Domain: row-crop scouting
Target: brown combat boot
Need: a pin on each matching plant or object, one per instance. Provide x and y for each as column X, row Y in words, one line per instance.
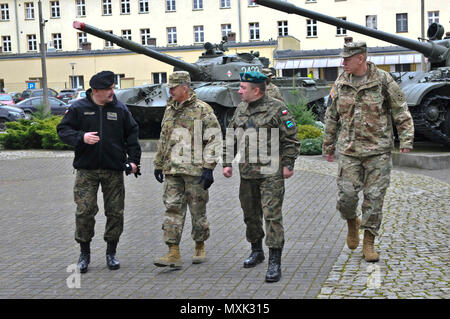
column 199, row 255
column 172, row 259
column 369, row 253
column 353, row 233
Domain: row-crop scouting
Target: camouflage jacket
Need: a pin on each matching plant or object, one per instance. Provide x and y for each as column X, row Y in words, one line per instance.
column 191, row 138
column 273, row 91
column 364, row 112
column 272, row 141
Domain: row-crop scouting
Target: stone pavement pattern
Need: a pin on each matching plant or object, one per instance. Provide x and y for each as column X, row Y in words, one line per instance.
column 37, row 218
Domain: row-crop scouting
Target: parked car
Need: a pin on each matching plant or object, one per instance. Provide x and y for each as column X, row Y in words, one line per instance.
column 67, row 94
column 78, row 95
column 6, row 99
column 38, row 92
column 17, row 96
column 9, row 113
column 57, row 107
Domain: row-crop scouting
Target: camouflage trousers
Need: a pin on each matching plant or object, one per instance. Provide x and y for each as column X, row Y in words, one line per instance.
column 179, row 192
column 263, row 197
column 85, row 195
column 372, row 176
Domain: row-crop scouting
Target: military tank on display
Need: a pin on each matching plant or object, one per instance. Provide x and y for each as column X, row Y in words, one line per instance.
column 428, row 93
column 215, row 79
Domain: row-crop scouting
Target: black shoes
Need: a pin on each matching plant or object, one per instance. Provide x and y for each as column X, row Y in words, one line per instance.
column 274, row 268
column 85, row 257
column 256, row 256
column 111, row 260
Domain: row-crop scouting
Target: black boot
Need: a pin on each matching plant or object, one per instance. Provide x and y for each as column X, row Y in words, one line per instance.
column 274, row 269
column 85, row 257
column 111, row 260
column 256, row 256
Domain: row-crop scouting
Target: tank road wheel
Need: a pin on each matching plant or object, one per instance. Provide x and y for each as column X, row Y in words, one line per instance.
column 436, row 116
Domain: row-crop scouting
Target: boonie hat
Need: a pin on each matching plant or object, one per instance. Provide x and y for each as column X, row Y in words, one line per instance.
column 177, row 78
column 253, row 77
column 352, row 48
column 267, row 72
column 102, row 80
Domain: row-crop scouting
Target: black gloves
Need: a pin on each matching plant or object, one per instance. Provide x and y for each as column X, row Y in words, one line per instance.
column 128, row 169
column 159, row 175
column 207, row 177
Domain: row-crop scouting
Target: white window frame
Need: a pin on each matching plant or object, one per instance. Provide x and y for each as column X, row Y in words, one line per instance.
column 32, row 42
column 6, row 43
column 161, row 77
column 126, row 34
column 29, row 11
column 171, row 6
column 433, row 17
column 145, row 36
column 57, row 41
column 125, row 7
column 108, row 44
column 254, row 34
column 172, row 35
column 225, row 4
column 401, row 18
column 106, row 7
column 339, row 30
column 311, row 28
column 372, row 21
column 81, row 8
column 4, row 8
column 81, row 38
column 197, row 4
column 144, row 6
column 55, row 10
column 252, row 4
column 225, row 28
column 283, row 29
column 199, row 34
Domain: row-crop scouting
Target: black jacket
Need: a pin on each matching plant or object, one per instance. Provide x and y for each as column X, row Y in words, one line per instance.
column 117, row 129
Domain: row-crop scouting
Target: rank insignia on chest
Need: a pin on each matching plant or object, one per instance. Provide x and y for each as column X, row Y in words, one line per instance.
column 284, row 112
column 89, row 113
column 111, row 116
column 289, row 124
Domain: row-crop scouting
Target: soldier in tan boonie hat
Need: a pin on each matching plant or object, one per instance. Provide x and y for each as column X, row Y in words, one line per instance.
column 352, row 48
column 177, row 78
column 267, row 72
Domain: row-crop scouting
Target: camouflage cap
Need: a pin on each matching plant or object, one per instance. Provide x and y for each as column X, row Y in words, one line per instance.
column 253, row 76
column 177, row 78
column 352, row 48
column 267, row 72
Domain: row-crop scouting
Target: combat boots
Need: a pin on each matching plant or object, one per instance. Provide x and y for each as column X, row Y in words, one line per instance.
column 85, row 257
column 256, row 256
column 274, row 268
column 368, row 251
column 172, row 259
column 111, row 260
column 353, row 233
column 199, row 255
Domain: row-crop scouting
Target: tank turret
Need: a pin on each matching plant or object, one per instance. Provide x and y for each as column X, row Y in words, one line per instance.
column 428, row 93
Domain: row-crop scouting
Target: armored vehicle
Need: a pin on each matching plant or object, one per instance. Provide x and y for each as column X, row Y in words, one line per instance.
column 428, row 93
column 215, row 78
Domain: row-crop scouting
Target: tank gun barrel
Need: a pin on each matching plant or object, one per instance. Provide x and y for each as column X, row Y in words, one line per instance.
column 136, row 47
column 431, row 50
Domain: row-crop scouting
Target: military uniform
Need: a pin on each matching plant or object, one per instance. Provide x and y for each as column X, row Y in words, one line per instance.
column 362, row 113
column 271, row 89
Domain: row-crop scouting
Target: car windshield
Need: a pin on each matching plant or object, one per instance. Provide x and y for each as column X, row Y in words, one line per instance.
column 5, row 98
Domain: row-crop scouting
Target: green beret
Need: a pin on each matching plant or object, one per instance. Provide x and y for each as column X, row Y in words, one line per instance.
column 253, row 77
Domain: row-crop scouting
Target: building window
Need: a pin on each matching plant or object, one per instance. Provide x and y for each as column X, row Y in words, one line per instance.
column 125, row 7
column 76, row 82
column 32, row 42
column 197, row 4
column 126, row 34
column 4, row 8
column 29, row 10
column 107, row 7
column 145, row 36
column 371, row 21
column 254, row 30
column 170, row 5
column 433, row 17
column 311, row 28
column 226, row 28
column 282, row 28
column 82, row 37
column 225, row 4
column 199, row 34
column 108, row 44
column 143, row 6
column 251, row 3
column 6, row 43
column 54, row 9
column 159, row 78
column 81, row 8
column 402, row 22
column 403, row 67
column 171, row 35
column 57, row 41
column 309, row 1
column 339, row 30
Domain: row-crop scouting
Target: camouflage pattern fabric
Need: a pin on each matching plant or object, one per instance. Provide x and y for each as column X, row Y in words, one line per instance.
column 269, row 114
column 370, row 174
column 363, row 113
column 85, row 195
column 273, row 91
column 180, row 191
column 260, row 198
column 187, row 130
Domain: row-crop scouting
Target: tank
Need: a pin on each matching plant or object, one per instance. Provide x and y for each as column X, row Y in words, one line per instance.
column 428, row 93
column 215, row 79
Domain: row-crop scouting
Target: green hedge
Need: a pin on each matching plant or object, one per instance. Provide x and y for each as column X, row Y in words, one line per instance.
column 34, row 133
column 311, row 146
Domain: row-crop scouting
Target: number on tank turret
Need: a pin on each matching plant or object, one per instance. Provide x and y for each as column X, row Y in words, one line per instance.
column 252, row 68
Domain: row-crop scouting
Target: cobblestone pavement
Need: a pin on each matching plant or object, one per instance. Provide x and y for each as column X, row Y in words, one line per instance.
column 37, row 218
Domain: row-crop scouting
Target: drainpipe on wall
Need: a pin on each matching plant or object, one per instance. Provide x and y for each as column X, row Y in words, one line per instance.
column 239, row 20
column 17, row 26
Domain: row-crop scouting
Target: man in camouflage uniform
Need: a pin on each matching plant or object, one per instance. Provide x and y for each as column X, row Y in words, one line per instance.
column 263, row 126
column 103, row 132
column 271, row 89
column 365, row 100
column 188, row 151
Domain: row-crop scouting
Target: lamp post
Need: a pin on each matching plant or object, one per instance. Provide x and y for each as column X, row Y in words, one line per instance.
column 73, row 74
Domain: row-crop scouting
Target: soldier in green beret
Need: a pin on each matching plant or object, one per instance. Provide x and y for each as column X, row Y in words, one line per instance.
column 261, row 190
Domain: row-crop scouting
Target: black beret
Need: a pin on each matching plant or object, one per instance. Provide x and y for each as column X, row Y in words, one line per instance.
column 102, row 80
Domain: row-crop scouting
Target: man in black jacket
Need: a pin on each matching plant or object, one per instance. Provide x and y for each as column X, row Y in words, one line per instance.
column 103, row 132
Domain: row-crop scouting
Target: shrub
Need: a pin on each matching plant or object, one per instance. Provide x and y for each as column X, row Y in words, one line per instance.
column 308, row 131
column 311, row 146
column 302, row 115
